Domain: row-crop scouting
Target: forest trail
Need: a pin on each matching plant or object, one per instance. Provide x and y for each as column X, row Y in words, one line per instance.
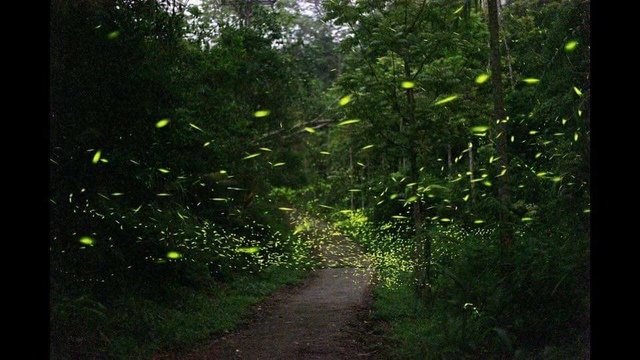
column 321, row 319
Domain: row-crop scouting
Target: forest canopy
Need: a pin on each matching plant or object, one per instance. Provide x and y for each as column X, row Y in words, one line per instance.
column 196, row 146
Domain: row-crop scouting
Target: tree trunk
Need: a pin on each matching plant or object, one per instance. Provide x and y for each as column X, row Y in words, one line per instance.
column 422, row 244
column 499, row 117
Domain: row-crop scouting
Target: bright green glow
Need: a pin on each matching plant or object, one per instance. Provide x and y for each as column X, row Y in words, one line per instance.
column 265, row 149
column 162, row 123
column 487, row 183
column 541, row 174
column 117, row 194
column 445, row 100
column 96, row 157
column 570, row 46
column 478, row 221
column 407, row 84
column 355, row 190
column 251, row 156
column 347, row 122
column 458, row 10
column 531, row 80
column 195, row 127
column 325, row 153
column 163, row 194
column 112, row 35
column 345, row 100
column 479, row 128
column 399, row 217
column 278, row 164
column 578, row 92
column 556, row 179
column 164, row 171
column 310, row 130
column 527, row 219
column 104, row 160
column 219, row 199
column 533, row 132
column 482, row 78
column 248, row 250
column 286, row 209
column 445, row 220
column 412, row 199
column 261, row 113
column 174, row 255
column 466, row 197
column 367, row 147
column 575, row 136
column 85, row 240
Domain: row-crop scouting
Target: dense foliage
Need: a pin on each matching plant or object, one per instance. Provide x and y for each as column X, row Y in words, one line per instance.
column 191, row 147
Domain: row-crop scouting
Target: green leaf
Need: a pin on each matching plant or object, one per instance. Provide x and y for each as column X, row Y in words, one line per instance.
column 310, row 130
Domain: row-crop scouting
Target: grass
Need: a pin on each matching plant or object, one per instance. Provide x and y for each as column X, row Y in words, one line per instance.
column 406, row 330
column 136, row 327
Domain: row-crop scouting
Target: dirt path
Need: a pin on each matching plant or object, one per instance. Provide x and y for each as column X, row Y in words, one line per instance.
column 319, row 320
